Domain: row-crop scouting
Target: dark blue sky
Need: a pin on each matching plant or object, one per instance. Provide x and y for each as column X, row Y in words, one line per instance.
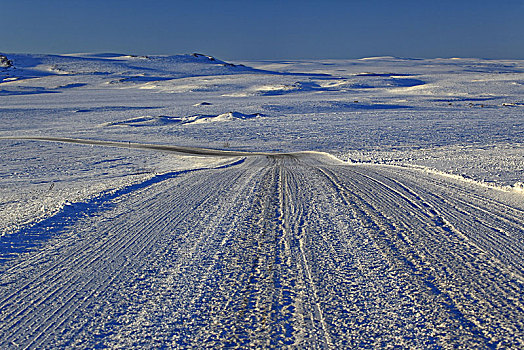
column 267, row 29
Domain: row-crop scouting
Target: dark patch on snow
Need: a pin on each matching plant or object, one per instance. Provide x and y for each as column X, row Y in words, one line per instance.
column 113, row 108
column 371, row 74
column 28, row 91
column 71, row 86
column 5, row 62
column 466, row 99
column 331, row 107
column 197, row 55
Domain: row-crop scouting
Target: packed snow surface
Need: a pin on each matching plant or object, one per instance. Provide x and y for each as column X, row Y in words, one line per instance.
column 187, row 202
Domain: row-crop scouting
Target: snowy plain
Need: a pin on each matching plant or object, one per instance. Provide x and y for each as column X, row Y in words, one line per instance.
column 413, row 237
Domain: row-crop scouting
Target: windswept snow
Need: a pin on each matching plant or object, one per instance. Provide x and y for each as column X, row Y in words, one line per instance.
column 187, row 202
column 193, row 119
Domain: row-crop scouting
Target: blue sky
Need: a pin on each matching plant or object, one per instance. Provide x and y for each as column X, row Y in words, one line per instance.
column 232, row 29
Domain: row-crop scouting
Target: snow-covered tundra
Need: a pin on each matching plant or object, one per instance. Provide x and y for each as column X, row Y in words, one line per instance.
column 187, row 202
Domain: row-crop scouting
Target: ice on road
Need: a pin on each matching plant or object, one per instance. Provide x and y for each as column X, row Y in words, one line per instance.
column 295, row 250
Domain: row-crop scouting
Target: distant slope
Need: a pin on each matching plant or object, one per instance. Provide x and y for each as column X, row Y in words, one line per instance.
column 140, row 68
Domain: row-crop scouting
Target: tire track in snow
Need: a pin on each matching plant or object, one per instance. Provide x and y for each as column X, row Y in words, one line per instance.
column 383, row 237
column 31, row 235
column 460, row 263
column 92, row 252
column 278, row 251
column 494, row 229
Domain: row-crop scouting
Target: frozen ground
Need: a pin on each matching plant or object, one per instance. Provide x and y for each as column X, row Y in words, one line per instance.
column 415, row 241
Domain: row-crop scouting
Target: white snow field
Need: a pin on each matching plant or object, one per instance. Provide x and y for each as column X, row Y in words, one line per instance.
column 186, row 202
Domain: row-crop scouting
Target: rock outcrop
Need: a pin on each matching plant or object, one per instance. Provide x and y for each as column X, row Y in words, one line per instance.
column 5, row 62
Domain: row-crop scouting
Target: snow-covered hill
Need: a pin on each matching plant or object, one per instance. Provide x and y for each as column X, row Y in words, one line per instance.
column 115, row 68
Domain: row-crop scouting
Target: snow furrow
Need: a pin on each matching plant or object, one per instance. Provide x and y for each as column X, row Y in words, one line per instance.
column 453, row 264
column 290, row 250
column 103, row 256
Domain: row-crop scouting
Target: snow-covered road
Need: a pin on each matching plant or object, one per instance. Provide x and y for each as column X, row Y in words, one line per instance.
column 291, row 250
